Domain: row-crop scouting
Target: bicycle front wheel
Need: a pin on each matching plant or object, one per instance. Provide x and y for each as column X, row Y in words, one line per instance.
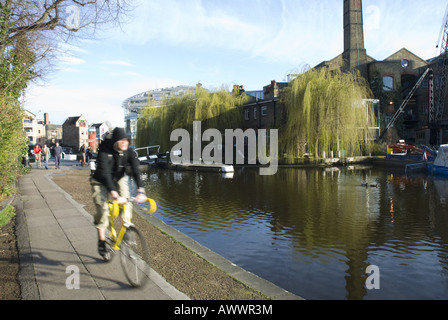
column 135, row 257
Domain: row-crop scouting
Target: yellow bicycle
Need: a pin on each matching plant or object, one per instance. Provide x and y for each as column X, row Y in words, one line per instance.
column 129, row 242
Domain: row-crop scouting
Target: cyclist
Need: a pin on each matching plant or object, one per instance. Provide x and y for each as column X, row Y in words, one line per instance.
column 110, row 180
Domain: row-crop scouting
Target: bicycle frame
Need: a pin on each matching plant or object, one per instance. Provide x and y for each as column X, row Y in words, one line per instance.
column 114, row 211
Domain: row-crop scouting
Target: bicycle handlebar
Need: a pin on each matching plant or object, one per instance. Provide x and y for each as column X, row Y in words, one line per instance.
column 113, row 205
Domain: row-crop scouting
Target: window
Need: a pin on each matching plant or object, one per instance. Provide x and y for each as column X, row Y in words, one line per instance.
column 388, row 83
column 246, row 114
column 255, row 113
column 404, row 63
column 388, row 118
column 264, row 110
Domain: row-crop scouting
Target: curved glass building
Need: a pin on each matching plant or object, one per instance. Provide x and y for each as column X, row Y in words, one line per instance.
column 134, row 105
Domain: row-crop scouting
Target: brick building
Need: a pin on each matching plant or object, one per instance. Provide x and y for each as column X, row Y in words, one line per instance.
column 96, row 131
column 75, row 132
column 41, row 131
column 264, row 113
column 391, row 80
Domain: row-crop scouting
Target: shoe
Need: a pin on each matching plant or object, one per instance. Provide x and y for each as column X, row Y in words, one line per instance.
column 102, row 250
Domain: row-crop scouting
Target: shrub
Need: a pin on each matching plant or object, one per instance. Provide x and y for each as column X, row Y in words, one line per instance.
column 6, row 215
column 13, row 143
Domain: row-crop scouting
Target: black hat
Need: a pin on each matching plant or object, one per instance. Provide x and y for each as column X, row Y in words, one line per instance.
column 119, row 134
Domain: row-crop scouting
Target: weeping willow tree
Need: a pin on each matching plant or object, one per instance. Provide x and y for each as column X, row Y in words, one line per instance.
column 324, row 113
column 219, row 110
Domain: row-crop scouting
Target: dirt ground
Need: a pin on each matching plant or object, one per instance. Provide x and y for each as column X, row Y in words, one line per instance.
column 9, row 263
column 181, row 267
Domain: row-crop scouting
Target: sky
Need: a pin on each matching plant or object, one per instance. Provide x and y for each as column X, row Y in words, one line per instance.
column 220, row 43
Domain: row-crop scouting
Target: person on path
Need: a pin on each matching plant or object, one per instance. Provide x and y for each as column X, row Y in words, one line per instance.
column 57, row 155
column 88, row 154
column 111, row 182
column 47, row 155
column 82, row 152
column 37, row 152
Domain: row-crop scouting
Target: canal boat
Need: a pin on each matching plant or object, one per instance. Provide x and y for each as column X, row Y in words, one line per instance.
column 146, row 156
column 411, row 158
column 422, row 166
column 440, row 165
column 403, row 151
column 214, row 167
column 151, row 156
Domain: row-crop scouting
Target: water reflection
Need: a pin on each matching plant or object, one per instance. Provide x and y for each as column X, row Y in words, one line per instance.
column 315, row 231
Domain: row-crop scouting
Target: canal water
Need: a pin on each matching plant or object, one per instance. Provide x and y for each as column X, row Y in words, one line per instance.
column 314, row 232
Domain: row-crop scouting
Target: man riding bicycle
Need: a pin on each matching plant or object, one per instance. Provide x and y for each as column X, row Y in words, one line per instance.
column 110, row 180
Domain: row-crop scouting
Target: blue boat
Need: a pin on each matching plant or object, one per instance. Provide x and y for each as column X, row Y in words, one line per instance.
column 440, row 165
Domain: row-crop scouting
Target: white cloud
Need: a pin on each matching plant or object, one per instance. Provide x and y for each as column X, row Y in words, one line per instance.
column 71, row 60
column 70, row 70
column 117, row 63
column 98, row 104
column 125, row 73
column 67, row 48
column 304, row 30
column 191, row 23
column 393, row 25
column 275, row 31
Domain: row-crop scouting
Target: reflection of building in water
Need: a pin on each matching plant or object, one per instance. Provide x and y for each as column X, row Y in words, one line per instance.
column 441, row 186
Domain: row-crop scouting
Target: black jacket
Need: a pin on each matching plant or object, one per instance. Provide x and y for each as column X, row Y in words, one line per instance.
column 111, row 164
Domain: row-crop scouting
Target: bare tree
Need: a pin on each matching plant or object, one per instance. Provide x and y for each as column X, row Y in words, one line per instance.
column 25, row 16
column 30, row 31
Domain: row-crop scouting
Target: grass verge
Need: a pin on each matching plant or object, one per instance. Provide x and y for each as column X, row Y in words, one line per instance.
column 6, row 214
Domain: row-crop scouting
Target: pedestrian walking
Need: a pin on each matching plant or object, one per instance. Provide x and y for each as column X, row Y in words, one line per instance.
column 47, row 155
column 57, row 155
column 83, row 155
column 88, row 154
column 37, row 153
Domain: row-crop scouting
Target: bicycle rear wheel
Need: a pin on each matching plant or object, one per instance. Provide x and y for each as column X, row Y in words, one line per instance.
column 134, row 257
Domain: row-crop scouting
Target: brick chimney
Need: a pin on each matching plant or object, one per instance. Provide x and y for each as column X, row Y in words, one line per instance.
column 354, row 54
column 46, row 121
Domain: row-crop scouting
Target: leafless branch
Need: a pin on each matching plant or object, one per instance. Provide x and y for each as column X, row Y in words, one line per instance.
column 46, row 23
